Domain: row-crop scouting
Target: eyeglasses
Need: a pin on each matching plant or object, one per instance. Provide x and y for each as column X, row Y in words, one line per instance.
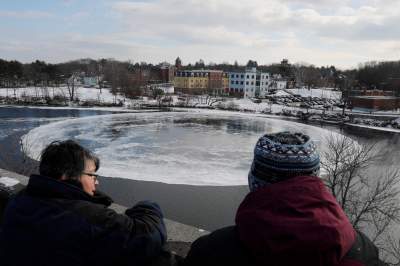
column 95, row 176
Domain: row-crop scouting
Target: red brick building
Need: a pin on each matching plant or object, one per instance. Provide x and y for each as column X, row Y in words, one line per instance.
column 167, row 73
column 215, row 79
column 374, row 103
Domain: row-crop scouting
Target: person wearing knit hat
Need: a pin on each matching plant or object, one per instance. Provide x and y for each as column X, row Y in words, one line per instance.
column 283, row 155
column 288, row 218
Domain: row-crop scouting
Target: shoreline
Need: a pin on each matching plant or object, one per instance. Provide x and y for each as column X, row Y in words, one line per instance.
column 210, row 109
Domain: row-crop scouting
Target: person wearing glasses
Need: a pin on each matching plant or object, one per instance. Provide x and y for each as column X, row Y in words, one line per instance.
column 61, row 219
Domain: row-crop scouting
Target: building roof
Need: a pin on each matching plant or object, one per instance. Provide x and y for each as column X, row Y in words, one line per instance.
column 201, row 71
column 376, row 97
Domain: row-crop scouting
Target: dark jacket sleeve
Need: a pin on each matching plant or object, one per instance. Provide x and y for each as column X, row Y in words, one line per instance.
column 148, row 219
column 134, row 237
column 221, row 247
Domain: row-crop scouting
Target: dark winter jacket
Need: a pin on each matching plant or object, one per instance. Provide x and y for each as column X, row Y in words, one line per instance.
column 293, row 222
column 56, row 223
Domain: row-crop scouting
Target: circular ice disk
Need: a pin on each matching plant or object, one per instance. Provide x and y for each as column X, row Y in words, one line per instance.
column 194, row 148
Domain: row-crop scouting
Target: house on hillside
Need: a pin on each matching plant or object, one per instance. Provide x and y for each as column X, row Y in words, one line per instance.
column 91, row 81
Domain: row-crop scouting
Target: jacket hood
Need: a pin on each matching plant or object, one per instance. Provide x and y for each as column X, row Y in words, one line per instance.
column 294, row 222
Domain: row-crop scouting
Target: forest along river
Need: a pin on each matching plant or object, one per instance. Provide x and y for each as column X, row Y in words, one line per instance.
column 194, row 164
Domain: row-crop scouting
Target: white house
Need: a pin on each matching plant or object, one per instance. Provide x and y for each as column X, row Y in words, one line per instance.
column 265, row 84
column 281, row 84
column 250, row 82
column 90, row 82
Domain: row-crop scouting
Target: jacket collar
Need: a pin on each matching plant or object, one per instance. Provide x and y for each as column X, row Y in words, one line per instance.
column 46, row 187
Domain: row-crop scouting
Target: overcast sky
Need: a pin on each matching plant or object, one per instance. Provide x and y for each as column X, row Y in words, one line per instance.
column 321, row 32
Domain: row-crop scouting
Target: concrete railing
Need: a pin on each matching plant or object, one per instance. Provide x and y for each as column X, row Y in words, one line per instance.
column 180, row 236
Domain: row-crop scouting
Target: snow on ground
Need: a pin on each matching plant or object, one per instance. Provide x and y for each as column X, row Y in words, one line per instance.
column 84, row 94
column 281, row 93
column 243, row 104
column 328, row 93
column 393, row 112
column 248, row 105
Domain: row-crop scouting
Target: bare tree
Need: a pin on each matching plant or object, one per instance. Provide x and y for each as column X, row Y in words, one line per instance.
column 211, row 100
column 158, row 94
column 371, row 201
column 71, row 87
column 299, row 73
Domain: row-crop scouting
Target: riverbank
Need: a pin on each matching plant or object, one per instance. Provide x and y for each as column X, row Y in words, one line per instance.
column 302, row 104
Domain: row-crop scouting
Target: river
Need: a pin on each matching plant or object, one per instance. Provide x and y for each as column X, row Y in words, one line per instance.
column 194, row 164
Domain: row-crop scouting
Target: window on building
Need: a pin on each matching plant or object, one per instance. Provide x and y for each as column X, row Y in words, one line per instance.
column 237, row 82
column 252, row 76
column 241, row 89
column 241, row 83
column 247, row 76
column 242, row 76
column 232, row 82
column 237, row 75
column 252, row 83
column 247, row 83
column 232, row 76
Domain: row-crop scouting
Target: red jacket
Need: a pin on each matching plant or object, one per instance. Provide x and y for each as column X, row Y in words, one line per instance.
column 295, row 222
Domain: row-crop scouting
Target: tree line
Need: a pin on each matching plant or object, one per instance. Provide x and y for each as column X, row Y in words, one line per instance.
column 129, row 78
column 126, row 78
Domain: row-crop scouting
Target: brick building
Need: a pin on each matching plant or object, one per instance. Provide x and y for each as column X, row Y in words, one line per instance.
column 374, row 103
column 167, row 72
column 200, row 81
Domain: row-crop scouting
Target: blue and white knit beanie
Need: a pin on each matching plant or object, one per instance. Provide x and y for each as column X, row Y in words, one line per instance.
column 282, row 155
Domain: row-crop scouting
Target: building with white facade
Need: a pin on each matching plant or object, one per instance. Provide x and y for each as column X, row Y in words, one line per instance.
column 90, row 82
column 250, row 83
column 243, row 83
column 265, row 84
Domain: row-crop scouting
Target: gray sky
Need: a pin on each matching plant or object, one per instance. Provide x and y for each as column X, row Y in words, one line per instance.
column 325, row 32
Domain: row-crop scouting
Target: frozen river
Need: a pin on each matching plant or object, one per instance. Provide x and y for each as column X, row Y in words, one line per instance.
column 193, row 148
column 193, row 164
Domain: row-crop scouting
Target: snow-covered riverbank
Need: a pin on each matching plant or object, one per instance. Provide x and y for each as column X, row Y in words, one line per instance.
column 280, row 104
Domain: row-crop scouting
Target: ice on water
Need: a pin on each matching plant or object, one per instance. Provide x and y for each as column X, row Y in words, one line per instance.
column 195, row 148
